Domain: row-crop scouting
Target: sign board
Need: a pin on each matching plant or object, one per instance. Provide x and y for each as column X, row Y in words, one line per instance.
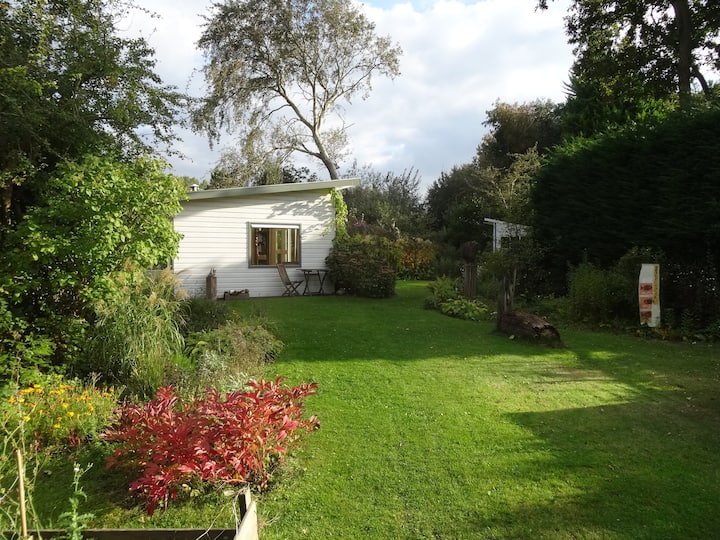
column 649, row 295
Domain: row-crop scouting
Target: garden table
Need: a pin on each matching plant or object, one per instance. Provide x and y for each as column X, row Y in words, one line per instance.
column 320, row 273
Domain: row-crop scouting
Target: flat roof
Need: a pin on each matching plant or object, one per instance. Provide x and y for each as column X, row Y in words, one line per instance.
column 324, row 185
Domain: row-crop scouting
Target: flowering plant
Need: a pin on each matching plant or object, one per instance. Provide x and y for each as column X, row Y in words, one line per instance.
column 58, row 411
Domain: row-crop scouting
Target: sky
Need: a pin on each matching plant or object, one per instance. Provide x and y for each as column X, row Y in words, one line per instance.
column 459, row 59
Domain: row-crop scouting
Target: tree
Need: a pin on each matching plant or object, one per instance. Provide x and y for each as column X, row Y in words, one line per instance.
column 80, row 105
column 497, row 182
column 72, row 85
column 390, row 201
column 278, row 69
column 515, row 129
column 649, row 48
column 98, row 215
column 234, row 169
column 649, row 185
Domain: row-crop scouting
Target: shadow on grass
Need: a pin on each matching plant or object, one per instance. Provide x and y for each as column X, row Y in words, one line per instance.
column 646, row 469
column 638, row 460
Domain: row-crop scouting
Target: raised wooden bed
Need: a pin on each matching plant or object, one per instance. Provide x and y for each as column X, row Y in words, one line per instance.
column 246, row 530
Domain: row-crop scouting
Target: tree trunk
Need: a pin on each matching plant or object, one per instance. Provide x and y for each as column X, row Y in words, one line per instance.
column 530, row 327
column 684, row 50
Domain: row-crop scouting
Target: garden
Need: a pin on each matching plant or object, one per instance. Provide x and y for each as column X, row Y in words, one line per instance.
column 429, row 427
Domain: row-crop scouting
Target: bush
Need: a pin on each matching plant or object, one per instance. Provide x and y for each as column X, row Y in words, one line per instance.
column 57, row 412
column 363, row 265
column 203, row 314
column 236, row 438
column 231, row 353
column 417, row 258
column 598, row 295
column 441, row 290
column 462, row 308
column 446, row 298
column 136, row 335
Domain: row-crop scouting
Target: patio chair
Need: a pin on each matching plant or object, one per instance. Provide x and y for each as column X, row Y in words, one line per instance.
column 291, row 285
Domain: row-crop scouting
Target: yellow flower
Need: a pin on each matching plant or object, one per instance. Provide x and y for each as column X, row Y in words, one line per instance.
column 70, row 414
column 27, row 418
column 65, row 405
column 56, row 426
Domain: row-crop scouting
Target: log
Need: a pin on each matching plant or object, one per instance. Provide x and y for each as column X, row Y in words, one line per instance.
column 530, row 327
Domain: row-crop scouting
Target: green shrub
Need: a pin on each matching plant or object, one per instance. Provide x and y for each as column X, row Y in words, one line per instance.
column 463, row 308
column 203, row 314
column 441, row 290
column 229, row 355
column 363, row 265
column 22, row 349
column 598, row 295
column 136, row 334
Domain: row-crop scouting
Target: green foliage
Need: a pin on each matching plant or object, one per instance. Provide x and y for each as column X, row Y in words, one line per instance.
column 498, row 182
column 204, row 314
column 22, row 348
column 598, row 296
column 56, row 412
column 364, row 265
column 73, row 84
column 690, row 298
column 652, row 185
column 446, row 298
column 226, row 357
column 136, row 335
column 442, row 290
column 74, row 521
column 303, row 56
column 387, row 202
column 645, row 48
column 341, row 214
column 97, row 214
column 464, row 308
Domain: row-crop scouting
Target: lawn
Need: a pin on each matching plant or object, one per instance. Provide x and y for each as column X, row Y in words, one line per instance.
column 437, row 428
column 433, row 427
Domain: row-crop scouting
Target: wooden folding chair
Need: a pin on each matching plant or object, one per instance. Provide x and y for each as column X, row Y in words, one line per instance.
column 291, row 285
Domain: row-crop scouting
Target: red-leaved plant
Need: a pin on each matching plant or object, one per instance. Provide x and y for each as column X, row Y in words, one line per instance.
column 234, row 438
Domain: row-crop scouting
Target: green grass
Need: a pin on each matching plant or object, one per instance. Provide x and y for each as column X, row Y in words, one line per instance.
column 434, row 427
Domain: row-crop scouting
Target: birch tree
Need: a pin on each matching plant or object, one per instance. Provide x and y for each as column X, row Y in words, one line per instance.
column 278, row 70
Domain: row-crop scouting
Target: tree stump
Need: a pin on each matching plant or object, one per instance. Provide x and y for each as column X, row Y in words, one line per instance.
column 530, row 327
column 521, row 324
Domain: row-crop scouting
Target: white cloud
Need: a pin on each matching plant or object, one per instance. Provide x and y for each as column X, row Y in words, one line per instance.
column 458, row 59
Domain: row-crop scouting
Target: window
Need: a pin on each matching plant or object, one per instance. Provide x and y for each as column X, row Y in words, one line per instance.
column 273, row 244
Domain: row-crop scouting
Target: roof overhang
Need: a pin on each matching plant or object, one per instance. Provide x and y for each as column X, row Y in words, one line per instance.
column 273, row 189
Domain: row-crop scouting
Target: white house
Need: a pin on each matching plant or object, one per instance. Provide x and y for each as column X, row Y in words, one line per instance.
column 242, row 233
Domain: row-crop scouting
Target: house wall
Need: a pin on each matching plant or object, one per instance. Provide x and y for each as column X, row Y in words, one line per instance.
column 216, row 235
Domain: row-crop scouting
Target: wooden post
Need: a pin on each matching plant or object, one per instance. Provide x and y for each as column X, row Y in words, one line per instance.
column 21, row 493
column 211, row 285
column 469, row 251
column 470, row 280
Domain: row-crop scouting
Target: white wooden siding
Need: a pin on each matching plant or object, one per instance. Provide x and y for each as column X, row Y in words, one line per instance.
column 215, row 235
